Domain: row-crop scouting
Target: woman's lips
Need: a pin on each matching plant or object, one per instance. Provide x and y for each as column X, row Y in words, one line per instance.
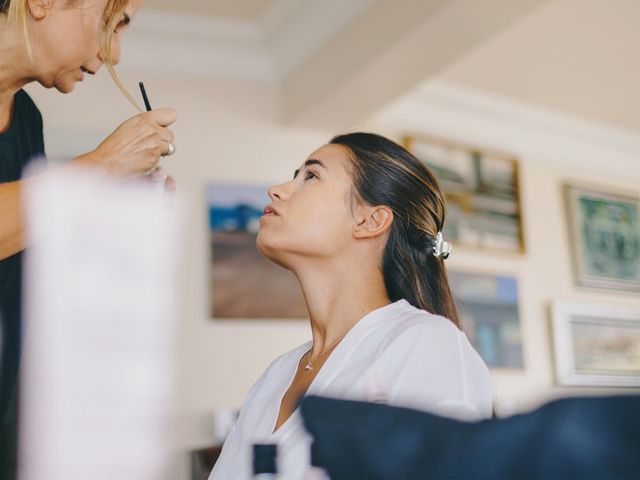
column 269, row 210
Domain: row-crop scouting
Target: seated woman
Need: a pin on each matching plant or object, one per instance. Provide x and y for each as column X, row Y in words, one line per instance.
column 360, row 227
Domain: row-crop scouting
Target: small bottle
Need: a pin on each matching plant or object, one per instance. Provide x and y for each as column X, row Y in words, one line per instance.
column 265, row 461
column 315, row 471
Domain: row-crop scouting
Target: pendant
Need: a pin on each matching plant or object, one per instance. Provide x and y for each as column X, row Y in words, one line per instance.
column 308, row 367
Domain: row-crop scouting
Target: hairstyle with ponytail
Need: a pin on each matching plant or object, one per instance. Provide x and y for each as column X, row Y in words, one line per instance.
column 384, row 173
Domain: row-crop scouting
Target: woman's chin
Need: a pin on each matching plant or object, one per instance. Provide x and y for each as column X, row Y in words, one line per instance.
column 66, row 87
column 62, row 84
column 268, row 251
column 261, row 245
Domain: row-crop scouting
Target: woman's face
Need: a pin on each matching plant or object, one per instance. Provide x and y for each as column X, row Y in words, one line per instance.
column 311, row 215
column 66, row 38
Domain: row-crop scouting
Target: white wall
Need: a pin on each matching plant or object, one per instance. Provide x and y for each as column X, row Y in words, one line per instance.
column 230, row 132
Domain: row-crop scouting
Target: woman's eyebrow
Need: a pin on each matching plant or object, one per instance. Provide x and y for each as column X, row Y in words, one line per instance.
column 308, row 163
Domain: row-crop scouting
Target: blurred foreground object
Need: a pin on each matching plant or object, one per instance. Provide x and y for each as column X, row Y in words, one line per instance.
column 574, row 438
column 101, row 302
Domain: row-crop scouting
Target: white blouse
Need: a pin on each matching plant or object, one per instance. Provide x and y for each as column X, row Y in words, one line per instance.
column 396, row 354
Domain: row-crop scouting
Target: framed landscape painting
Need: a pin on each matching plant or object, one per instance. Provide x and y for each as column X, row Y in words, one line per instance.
column 605, row 238
column 482, row 189
column 244, row 284
column 596, row 345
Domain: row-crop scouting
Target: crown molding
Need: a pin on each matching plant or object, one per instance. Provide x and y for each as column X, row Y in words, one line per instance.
column 494, row 121
column 187, row 45
column 264, row 51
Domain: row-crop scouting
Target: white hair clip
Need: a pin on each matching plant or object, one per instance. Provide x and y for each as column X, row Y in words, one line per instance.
column 441, row 248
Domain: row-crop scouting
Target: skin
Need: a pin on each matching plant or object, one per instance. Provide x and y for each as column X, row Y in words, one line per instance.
column 65, row 40
column 332, row 245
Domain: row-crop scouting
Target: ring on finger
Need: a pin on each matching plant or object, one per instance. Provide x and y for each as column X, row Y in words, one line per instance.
column 171, row 149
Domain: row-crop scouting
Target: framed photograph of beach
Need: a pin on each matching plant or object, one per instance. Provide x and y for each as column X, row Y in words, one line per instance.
column 596, row 345
column 482, row 189
column 605, row 238
column 244, row 284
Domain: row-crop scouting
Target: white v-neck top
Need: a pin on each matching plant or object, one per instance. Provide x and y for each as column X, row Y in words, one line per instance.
column 396, row 354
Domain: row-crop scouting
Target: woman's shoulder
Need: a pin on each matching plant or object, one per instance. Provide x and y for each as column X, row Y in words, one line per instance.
column 411, row 322
column 425, row 361
column 425, row 337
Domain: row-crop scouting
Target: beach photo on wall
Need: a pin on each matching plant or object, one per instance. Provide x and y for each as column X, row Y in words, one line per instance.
column 488, row 306
column 244, row 284
column 482, row 192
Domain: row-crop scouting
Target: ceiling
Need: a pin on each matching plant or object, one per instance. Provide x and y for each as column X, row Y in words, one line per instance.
column 242, row 10
column 579, row 57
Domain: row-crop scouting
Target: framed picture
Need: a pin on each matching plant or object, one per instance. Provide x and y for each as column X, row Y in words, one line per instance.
column 245, row 284
column 596, row 345
column 605, row 236
column 482, row 192
column 490, row 317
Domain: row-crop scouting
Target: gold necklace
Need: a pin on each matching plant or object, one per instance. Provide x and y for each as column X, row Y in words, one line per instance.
column 308, row 366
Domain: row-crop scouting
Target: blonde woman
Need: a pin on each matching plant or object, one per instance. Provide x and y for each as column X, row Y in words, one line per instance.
column 55, row 43
column 360, row 226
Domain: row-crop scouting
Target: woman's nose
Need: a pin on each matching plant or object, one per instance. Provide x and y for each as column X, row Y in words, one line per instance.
column 273, row 193
column 278, row 192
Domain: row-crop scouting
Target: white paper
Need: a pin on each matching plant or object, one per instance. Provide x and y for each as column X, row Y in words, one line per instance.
column 100, row 326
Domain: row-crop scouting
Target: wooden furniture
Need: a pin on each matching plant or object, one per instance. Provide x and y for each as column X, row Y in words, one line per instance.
column 203, row 460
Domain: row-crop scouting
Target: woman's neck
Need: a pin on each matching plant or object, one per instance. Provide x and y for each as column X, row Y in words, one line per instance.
column 14, row 65
column 338, row 294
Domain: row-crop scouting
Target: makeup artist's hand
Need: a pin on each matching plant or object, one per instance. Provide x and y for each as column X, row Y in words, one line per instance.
column 136, row 145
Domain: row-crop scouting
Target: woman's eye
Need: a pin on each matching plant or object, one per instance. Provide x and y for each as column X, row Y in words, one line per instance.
column 309, row 175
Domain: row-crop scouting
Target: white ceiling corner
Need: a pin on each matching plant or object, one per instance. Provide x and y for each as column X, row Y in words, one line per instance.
column 264, row 50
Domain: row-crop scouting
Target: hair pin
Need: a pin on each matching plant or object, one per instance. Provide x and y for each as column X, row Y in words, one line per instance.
column 441, row 248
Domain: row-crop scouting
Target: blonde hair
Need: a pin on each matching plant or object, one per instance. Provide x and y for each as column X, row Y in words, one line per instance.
column 112, row 15
column 16, row 12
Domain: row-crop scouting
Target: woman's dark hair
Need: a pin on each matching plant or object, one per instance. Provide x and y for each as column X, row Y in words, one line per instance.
column 384, row 173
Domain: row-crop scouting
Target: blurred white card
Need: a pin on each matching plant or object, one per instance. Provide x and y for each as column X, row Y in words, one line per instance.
column 100, row 326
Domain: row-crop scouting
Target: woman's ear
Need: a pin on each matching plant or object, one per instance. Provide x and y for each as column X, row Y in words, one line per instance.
column 375, row 222
column 38, row 9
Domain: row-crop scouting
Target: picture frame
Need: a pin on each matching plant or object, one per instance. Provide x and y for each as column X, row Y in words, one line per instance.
column 596, row 345
column 482, row 190
column 244, row 284
column 604, row 228
column 489, row 311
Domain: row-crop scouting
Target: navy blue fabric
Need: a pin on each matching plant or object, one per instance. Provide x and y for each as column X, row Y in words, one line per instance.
column 574, row 438
column 21, row 142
